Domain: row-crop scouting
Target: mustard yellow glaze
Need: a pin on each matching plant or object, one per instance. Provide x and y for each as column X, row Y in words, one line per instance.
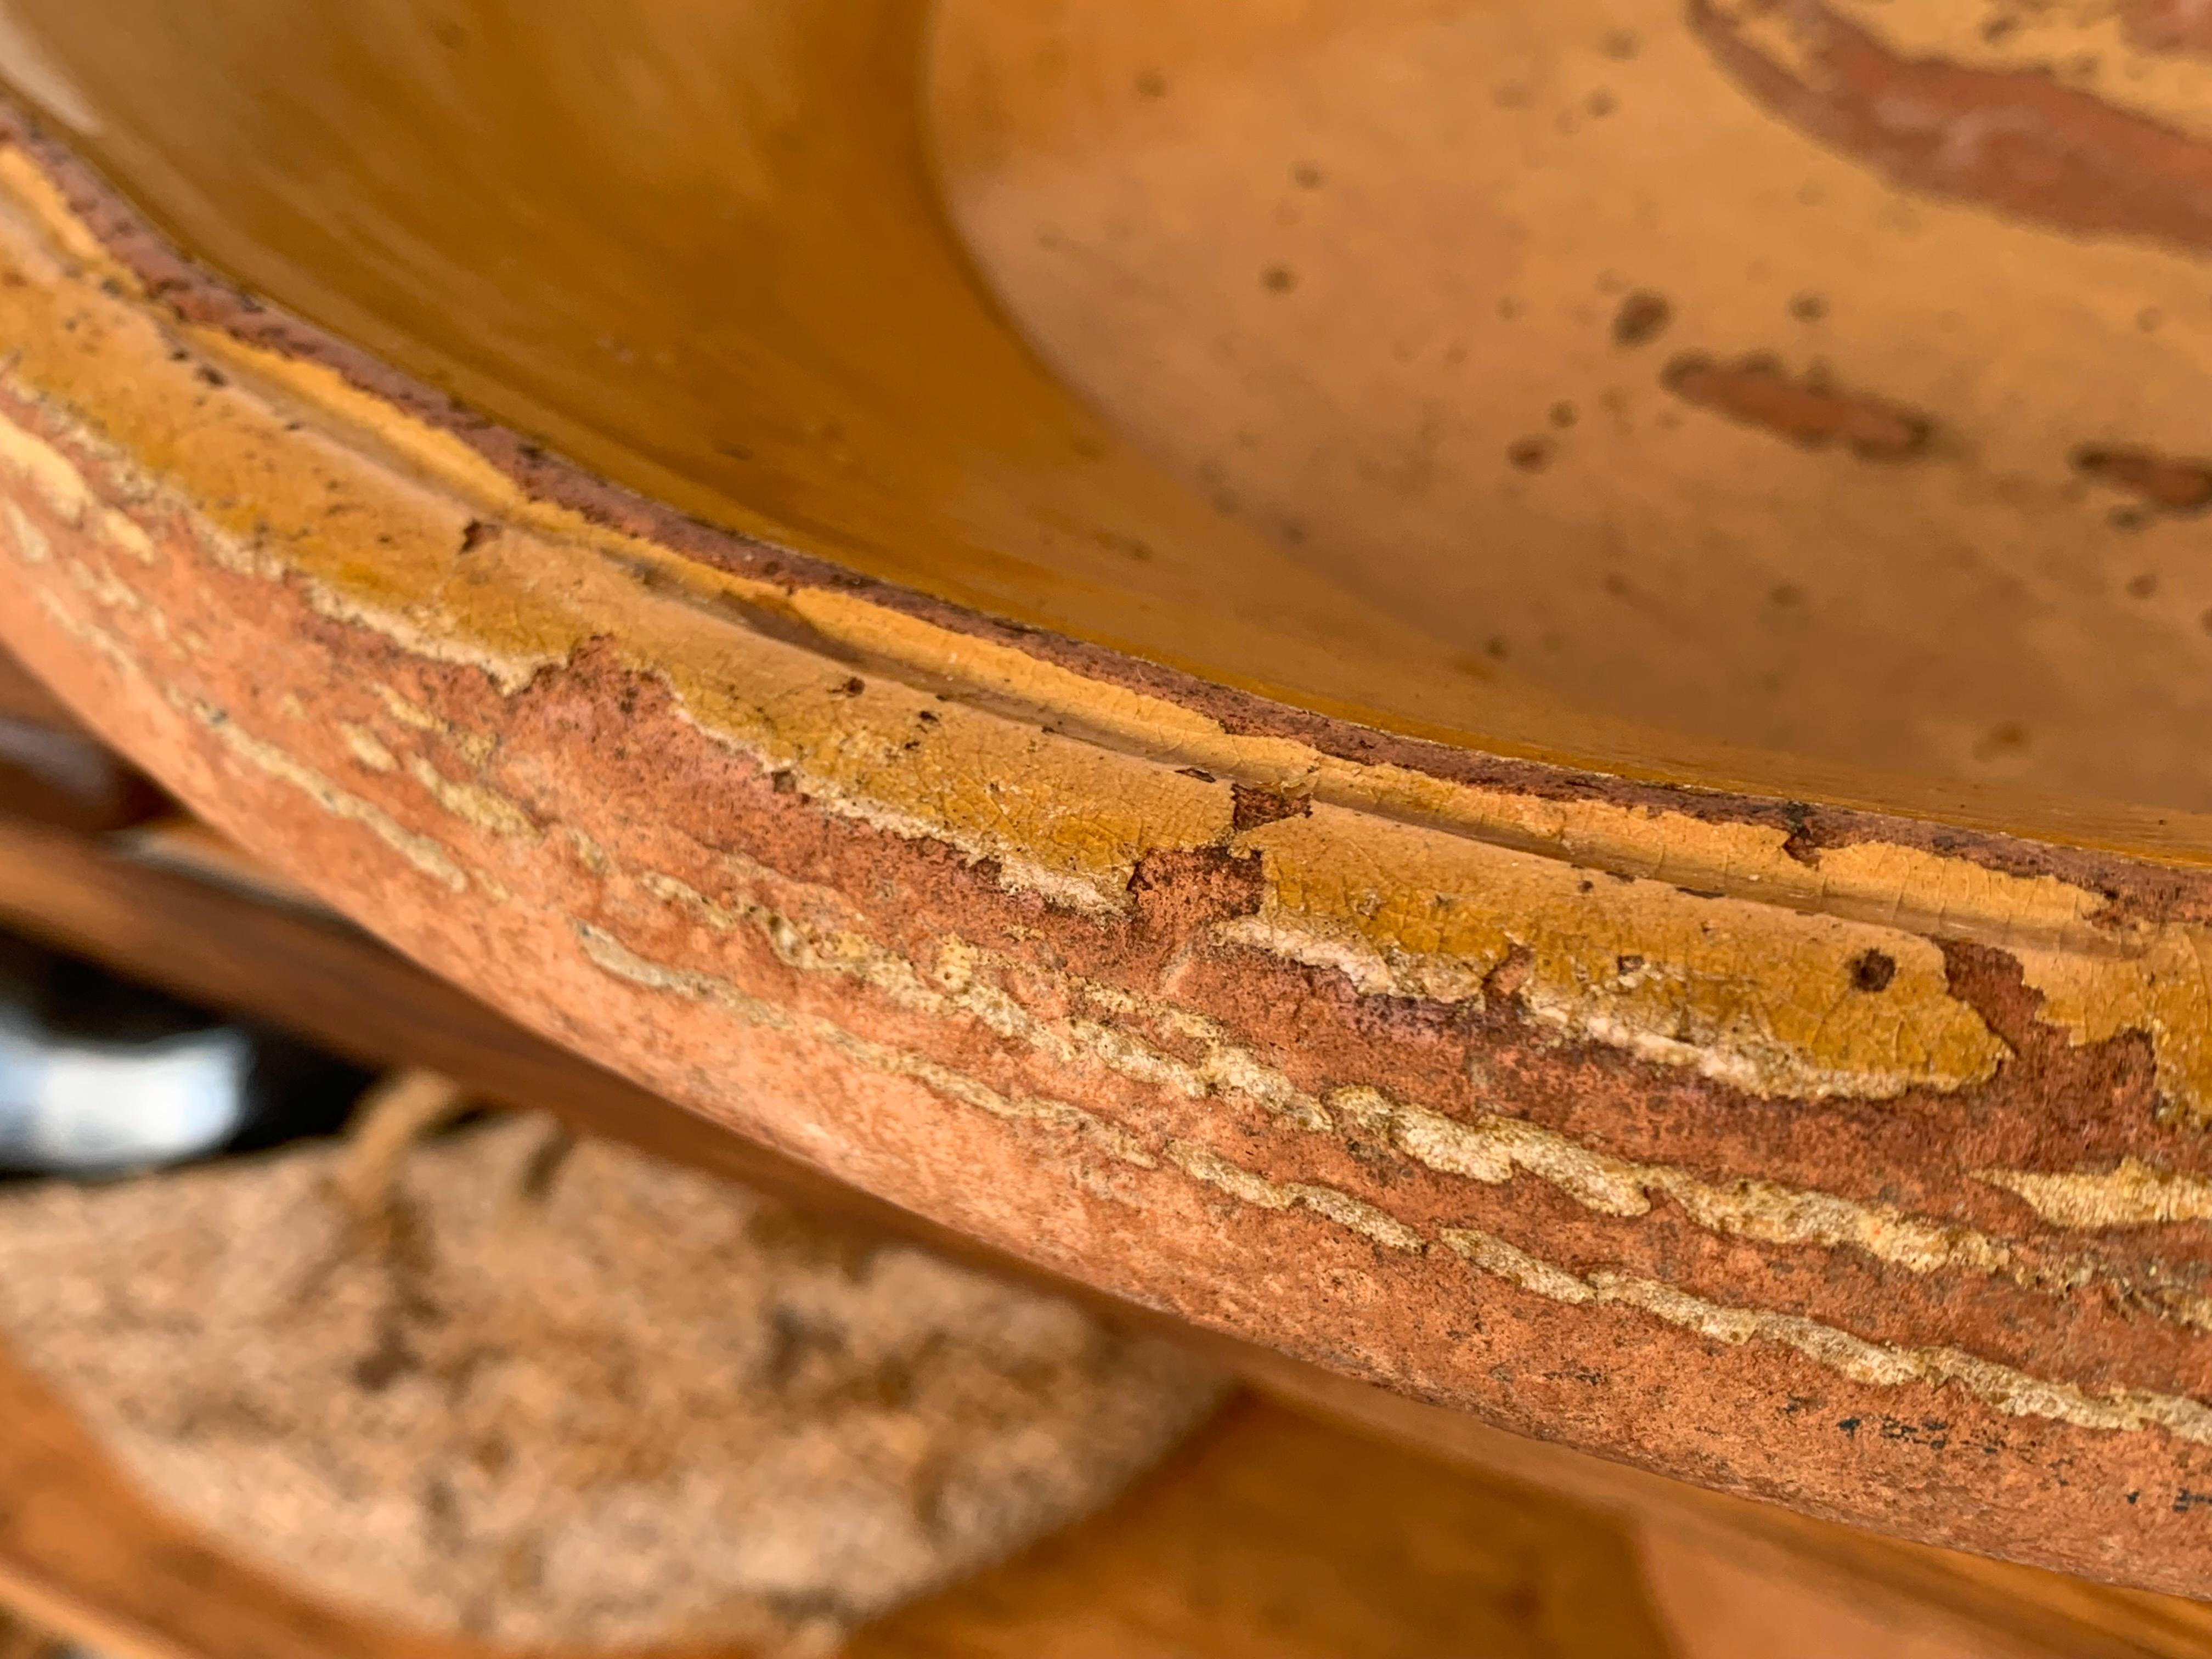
column 729, row 345
column 1411, row 882
column 697, row 248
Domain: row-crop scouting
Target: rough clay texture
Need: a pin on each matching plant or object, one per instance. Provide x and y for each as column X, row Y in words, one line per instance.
column 570, row 1395
column 1705, row 1130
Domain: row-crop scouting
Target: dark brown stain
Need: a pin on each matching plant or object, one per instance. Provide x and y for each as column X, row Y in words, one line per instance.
column 1529, row 454
column 2176, row 484
column 2015, row 139
column 1759, row 392
column 387, row 1362
column 1872, row 971
column 2005, row 738
column 1643, row 317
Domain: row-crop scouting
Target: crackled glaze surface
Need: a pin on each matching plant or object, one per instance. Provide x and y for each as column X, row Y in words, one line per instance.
column 1850, row 1158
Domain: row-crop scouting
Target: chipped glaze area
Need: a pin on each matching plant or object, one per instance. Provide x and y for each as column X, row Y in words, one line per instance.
column 1646, row 1130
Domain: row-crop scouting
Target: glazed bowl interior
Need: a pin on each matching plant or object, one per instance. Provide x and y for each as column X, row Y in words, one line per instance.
column 1803, row 397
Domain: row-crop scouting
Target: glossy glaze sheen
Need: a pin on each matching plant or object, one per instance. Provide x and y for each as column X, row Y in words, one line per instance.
column 1850, row 1159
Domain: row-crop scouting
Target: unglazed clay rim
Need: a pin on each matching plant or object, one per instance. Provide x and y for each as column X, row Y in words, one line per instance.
column 1935, row 1062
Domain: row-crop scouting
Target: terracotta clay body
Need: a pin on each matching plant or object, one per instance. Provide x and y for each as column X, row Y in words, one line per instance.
column 771, row 679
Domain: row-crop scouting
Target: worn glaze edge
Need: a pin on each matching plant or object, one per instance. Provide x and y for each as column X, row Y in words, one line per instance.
column 1853, row 1166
